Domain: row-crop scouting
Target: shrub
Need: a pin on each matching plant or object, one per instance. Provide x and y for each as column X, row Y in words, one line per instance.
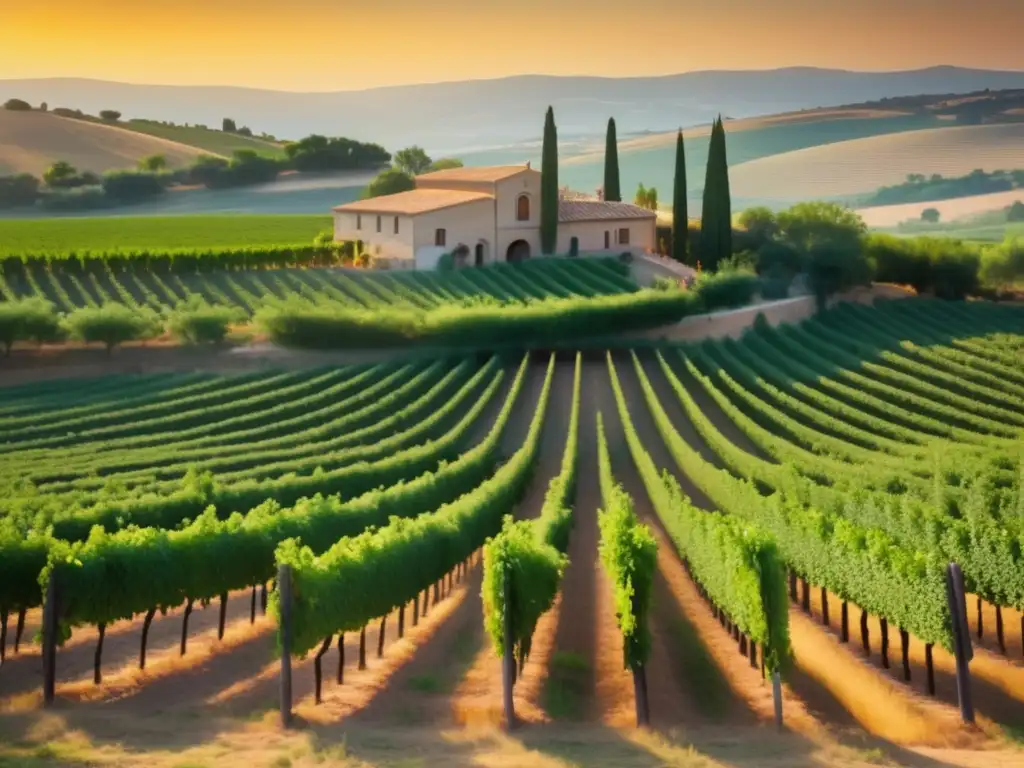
column 27, row 320
column 132, row 186
column 445, row 262
column 931, row 215
column 197, row 322
column 17, row 105
column 726, row 289
column 110, row 115
column 19, row 190
column 112, row 324
column 78, row 199
column 949, row 268
column 1003, row 265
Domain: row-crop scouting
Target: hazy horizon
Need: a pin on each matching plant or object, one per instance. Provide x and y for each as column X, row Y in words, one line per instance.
column 315, row 46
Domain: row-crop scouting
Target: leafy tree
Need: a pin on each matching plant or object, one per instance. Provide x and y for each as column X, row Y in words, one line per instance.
column 207, row 169
column 760, row 222
column 549, row 195
column 445, row 163
column 228, row 125
column 110, row 115
column 319, row 153
column 17, row 105
column 646, row 197
column 389, row 182
column 44, row 107
column 930, row 215
column 61, row 174
column 112, row 324
column 153, row 163
column 830, row 238
column 19, row 190
column 611, row 164
column 132, row 186
column 680, row 212
column 1015, row 212
column 27, row 320
column 245, row 131
column 413, row 160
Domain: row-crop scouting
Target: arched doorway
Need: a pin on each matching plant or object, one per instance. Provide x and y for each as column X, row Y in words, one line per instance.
column 479, row 253
column 518, row 251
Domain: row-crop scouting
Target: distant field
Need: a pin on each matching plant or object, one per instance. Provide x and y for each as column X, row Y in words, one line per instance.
column 215, row 142
column 650, row 159
column 30, row 142
column 949, row 210
column 19, row 236
column 863, row 165
column 980, row 232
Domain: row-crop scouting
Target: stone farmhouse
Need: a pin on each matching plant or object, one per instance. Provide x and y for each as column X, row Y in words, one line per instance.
column 486, row 215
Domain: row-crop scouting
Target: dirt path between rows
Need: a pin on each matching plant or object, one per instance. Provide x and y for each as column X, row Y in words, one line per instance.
column 477, row 698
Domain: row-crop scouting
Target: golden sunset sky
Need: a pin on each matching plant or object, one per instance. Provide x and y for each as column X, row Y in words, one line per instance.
column 319, row 45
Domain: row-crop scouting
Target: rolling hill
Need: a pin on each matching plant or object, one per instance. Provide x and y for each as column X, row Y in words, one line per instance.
column 209, row 140
column 460, row 116
column 858, row 166
column 30, row 142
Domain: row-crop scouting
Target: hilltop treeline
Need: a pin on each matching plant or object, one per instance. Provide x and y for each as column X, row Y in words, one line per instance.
column 919, row 188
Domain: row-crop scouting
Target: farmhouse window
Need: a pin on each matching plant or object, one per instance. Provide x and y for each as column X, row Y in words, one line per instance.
column 439, row 237
column 607, row 239
column 523, row 208
column 359, row 221
column 624, row 236
column 396, row 225
column 378, row 223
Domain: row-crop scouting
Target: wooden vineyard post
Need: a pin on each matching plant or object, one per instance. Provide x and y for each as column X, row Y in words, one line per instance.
column 416, row 609
column 401, row 621
column 223, row 615
column 805, row 596
column 929, row 668
column 777, row 698
column 362, row 648
column 884, row 623
column 844, row 630
column 981, row 625
column 184, row 625
column 508, row 661
column 50, row 642
column 263, row 598
column 21, row 628
column 961, row 639
column 380, row 637
column 145, row 636
column 864, row 637
column 284, row 588
column 341, row 658
column 97, row 674
column 824, row 606
column 999, row 630
column 643, row 707
column 318, row 668
column 905, row 648
column 252, row 606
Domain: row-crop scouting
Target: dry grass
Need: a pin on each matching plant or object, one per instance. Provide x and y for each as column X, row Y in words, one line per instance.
column 949, row 210
column 30, row 142
column 864, row 165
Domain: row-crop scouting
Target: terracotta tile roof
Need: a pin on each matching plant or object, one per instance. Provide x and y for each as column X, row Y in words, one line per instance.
column 414, row 201
column 600, row 210
column 490, row 173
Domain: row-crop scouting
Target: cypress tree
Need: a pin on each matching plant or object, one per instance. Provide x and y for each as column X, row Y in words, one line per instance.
column 612, row 190
column 724, row 198
column 680, row 214
column 549, row 186
column 709, row 227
